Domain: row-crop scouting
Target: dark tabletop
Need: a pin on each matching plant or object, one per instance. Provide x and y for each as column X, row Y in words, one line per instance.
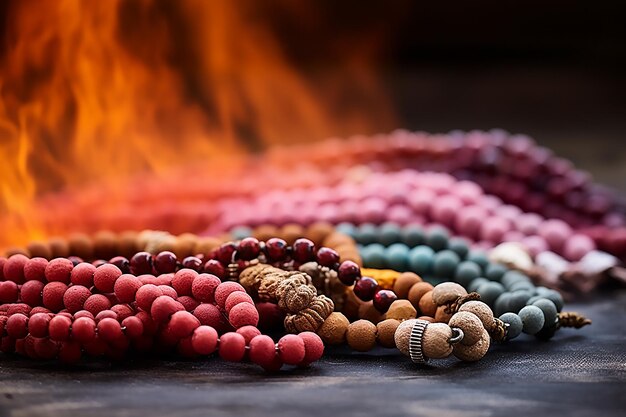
column 578, row 373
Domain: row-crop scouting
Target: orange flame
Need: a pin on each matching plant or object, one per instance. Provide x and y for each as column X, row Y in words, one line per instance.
column 93, row 92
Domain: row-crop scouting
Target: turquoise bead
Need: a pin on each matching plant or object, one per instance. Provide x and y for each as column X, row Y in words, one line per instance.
column 512, row 277
column 549, row 311
column 412, row 235
column 366, row 234
column 515, row 325
column 437, row 238
column 556, row 298
column 532, row 319
column 389, row 233
column 489, row 292
column 501, row 305
column 421, row 260
column 347, row 228
column 477, row 282
column 466, row 272
column 523, row 285
column 495, row 272
column 374, row 256
column 397, row 256
column 241, row 232
column 534, row 298
column 460, row 246
column 445, row 263
column 518, row 300
column 478, row 257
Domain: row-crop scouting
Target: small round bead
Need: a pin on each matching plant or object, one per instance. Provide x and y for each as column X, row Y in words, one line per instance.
column 435, row 342
column 262, row 350
column 401, row 310
column 204, row 340
column 53, row 295
column 470, row 324
column 209, row 315
column 203, row 287
column 373, row 255
column 84, row 329
column 490, row 291
column 105, row 276
column 82, row 274
column 402, row 335
column 466, row 272
column 183, row 281
column 235, row 298
column 35, row 269
column 333, row 330
column 482, row 311
column 473, row 352
column 214, row 267
column 515, row 325
column 385, row 332
column 141, row 263
column 232, row 347
column 447, row 292
column 183, row 324
column 75, row 297
column 518, row 300
column 459, row 246
column 388, row 233
column 9, row 291
column 437, row 238
column 417, row 291
column 109, row 329
column 303, row 250
column 122, row 263
column 224, row 289
column 165, row 262
column 248, row 332
column 59, row 328
column 556, row 298
column 313, row 347
column 412, row 235
column 126, row 287
column 510, row 278
column 243, row 314
column 192, row 262
column 83, row 313
column 327, row 257
column 445, row 263
column 133, row 327
column 420, row 260
column 426, row 304
column 146, row 295
column 404, row 282
column 532, row 319
column 475, row 283
column 38, row 324
column 275, row 249
column 163, row 307
column 549, row 311
column 13, row 269
column 494, row 272
column 59, row 269
column 97, row 303
column 396, row 256
column 248, row 249
column 46, row 349
column 16, row 326
column 383, row 300
column 361, row 335
column 291, row 349
column 348, row 272
column 365, row 288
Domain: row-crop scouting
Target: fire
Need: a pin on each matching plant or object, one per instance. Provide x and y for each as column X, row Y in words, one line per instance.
column 97, row 92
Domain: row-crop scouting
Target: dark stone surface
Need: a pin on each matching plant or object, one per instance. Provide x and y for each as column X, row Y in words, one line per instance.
column 578, row 373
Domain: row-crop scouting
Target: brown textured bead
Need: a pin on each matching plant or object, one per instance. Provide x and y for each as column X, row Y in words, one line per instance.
column 205, row 245
column 60, row 247
column 473, row 352
column 482, row 311
column 435, row 342
column 470, row 324
column 404, row 282
column 295, row 293
column 442, row 315
column 403, row 334
column 417, row 291
column 361, row 335
column 401, row 310
column 291, row 232
column 318, row 232
column 39, row 249
column 447, row 292
column 311, row 318
column 426, row 305
column 265, row 232
column 385, row 332
column 105, row 244
column 333, row 330
column 128, row 243
column 81, row 246
column 367, row 311
column 185, row 245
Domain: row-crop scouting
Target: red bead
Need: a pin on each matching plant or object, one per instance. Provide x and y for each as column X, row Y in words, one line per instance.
column 188, row 302
column 235, row 298
column 303, row 250
column 96, row 347
column 69, row 352
column 31, row 293
column 83, row 313
column 96, row 303
column 262, row 350
column 209, row 315
column 276, row 249
column 223, row 291
column 214, row 267
column 39, row 309
column 13, row 269
column 16, row 326
column 192, row 262
column 84, row 329
column 105, row 276
column 183, row 281
column 133, row 327
column 75, row 260
column 183, row 324
column 122, row 263
column 148, row 279
column 141, row 263
column 165, row 262
column 383, row 300
column 35, row 269
column 8, row 292
column 105, row 314
column 163, row 307
column 313, row 347
column 122, row 311
column 204, row 340
column 21, row 308
column 248, row 249
column 38, row 324
column 327, row 257
column 248, row 332
column 125, row 288
column 291, row 349
column 348, row 272
column 59, row 328
column 365, row 288
column 203, row 287
column 270, row 316
column 243, row 314
column 109, row 329
column 224, row 253
column 82, row 274
column 59, row 269
column 185, row 348
column 75, row 297
column 46, row 349
column 169, row 291
column 146, row 295
column 232, row 347
column 53, row 295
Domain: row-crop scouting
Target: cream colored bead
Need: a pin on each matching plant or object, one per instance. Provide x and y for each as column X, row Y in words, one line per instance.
column 470, row 324
column 403, row 333
column 482, row 311
column 513, row 255
column 435, row 342
column 447, row 292
column 473, row 352
column 401, row 310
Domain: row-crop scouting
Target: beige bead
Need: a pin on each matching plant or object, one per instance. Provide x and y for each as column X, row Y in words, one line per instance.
column 447, row 292
column 403, row 334
column 361, row 335
column 426, row 305
column 513, row 255
column 482, row 311
column 417, row 291
column 404, row 282
column 401, row 310
column 290, row 232
column 333, row 330
column 442, row 315
column 435, row 342
column 367, row 311
column 473, row 352
column 470, row 324
column 385, row 332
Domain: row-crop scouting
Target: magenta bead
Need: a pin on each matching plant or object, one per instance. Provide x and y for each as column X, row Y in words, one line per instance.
column 141, row 263
column 248, row 249
column 327, row 257
column 213, row 266
column 225, row 253
column 165, row 262
column 348, row 272
column 383, row 300
column 122, row 263
column 303, row 250
column 192, row 262
column 365, row 288
column 276, row 249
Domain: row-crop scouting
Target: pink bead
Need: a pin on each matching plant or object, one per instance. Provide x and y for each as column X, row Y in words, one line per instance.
column 399, row 214
column 468, row 192
column 445, row 209
column 494, row 229
column 204, row 340
column 469, row 220
column 421, row 200
column 578, row 246
column 528, row 223
column 509, row 212
column 555, row 232
column 535, row 245
column 513, row 236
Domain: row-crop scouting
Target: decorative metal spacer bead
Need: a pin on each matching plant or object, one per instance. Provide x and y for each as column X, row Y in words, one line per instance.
column 415, row 342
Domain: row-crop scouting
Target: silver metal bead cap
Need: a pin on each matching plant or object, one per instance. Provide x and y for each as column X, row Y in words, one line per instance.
column 415, row 342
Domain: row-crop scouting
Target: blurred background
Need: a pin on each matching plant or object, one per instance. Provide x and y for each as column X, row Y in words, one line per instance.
column 98, row 91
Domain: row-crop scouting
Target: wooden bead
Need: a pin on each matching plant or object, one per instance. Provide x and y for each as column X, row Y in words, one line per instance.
column 185, row 245
column 319, row 231
column 435, row 342
column 333, row 330
column 447, row 292
column 39, row 249
column 81, row 246
column 426, row 304
column 470, row 324
column 404, row 282
column 291, row 232
column 401, row 310
column 265, row 232
column 482, row 311
column 368, row 312
column 442, row 315
column 385, row 332
column 59, row 248
column 473, row 352
column 417, row 291
column 361, row 335
column 105, row 244
column 403, row 334
column 205, row 245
